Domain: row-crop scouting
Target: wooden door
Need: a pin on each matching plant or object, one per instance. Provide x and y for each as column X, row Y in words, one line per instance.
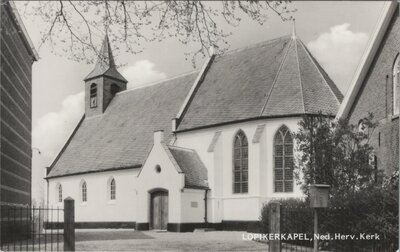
column 159, row 210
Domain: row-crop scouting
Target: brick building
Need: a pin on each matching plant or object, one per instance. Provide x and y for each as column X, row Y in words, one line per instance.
column 17, row 57
column 376, row 89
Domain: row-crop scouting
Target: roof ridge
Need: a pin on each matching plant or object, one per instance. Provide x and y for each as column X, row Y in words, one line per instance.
column 301, row 83
column 150, row 84
column 266, row 42
column 180, row 148
column 312, row 60
column 276, row 77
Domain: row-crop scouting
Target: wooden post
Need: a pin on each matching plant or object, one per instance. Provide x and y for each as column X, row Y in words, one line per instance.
column 69, row 222
column 275, row 226
column 315, row 230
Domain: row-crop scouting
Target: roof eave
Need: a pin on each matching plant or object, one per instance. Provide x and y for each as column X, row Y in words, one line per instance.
column 23, row 32
column 249, row 119
column 95, row 171
column 367, row 59
column 88, row 78
column 197, row 187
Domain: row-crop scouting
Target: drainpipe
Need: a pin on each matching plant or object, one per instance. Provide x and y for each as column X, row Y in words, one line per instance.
column 47, row 171
column 205, row 206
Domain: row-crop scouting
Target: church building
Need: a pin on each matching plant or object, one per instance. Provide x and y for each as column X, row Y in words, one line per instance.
column 205, row 149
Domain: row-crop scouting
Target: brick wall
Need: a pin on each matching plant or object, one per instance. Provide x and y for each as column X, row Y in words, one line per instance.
column 376, row 95
column 16, row 111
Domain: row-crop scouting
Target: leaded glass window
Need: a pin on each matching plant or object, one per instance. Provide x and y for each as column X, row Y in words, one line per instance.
column 240, row 163
column 283, row 160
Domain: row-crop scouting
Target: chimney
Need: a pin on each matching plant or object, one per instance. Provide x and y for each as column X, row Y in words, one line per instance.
column 174, row 124
column 158, row 136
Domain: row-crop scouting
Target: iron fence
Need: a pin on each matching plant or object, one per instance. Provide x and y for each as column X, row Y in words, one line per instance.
column 26, row 228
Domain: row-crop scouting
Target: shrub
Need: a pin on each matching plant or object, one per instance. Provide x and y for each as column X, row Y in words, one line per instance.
column 372, row 210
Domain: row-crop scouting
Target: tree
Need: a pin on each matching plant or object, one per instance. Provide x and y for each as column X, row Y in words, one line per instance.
column 77, row 26
column 338, row 154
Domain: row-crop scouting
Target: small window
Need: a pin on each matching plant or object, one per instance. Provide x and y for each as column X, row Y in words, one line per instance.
column 240, row 163
column 84, row 191
column 113, row 190
column 283, row 160
column 396, row 85
column 59, row 191
column 158, row 168
column 93, row 95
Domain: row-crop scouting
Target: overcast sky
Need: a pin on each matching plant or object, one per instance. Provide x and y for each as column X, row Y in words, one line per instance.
column 336, row 33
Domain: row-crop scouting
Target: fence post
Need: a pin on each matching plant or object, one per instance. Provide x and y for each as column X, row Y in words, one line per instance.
column 69, row 221
column 275, row 226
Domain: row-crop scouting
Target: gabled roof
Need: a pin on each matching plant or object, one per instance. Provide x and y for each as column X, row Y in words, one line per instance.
column 105, row 65
column 191, row 165
column 277, row 78
column 16, row 19
column 368, row 57
column 123, row 135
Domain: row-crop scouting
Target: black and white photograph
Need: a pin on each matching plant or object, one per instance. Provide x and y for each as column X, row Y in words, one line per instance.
column 239, row 125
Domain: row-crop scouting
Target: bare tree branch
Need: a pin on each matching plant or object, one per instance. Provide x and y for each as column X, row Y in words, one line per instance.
column 131, row 23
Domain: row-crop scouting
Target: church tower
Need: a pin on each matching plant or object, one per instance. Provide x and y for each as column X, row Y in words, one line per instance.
column 103, row 82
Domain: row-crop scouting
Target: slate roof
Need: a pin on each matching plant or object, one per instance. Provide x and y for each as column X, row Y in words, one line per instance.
column 123, row 135
column 191, row 165
column 276, row 78
column 105, row 64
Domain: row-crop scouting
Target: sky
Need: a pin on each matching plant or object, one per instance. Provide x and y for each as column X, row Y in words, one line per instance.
column 336, row 33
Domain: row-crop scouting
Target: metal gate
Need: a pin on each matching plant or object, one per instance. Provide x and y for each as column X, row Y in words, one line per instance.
column 26, row 228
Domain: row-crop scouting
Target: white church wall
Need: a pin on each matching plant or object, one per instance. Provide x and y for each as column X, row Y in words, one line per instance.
column 219, row 164
column 98, row 207
column 193, row 206
column 168, row 179
column 215, row 203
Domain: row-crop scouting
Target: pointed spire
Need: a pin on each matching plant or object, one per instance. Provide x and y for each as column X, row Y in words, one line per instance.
column 105, row 62
column 105, row 59
column 293, row 28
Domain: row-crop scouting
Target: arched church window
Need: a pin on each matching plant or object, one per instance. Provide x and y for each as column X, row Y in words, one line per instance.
column 84, row 191
column 59, row 192
column 240, row 163
column 113, row 189
column 396, row 85
column 283, row 160
column 93, row 95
